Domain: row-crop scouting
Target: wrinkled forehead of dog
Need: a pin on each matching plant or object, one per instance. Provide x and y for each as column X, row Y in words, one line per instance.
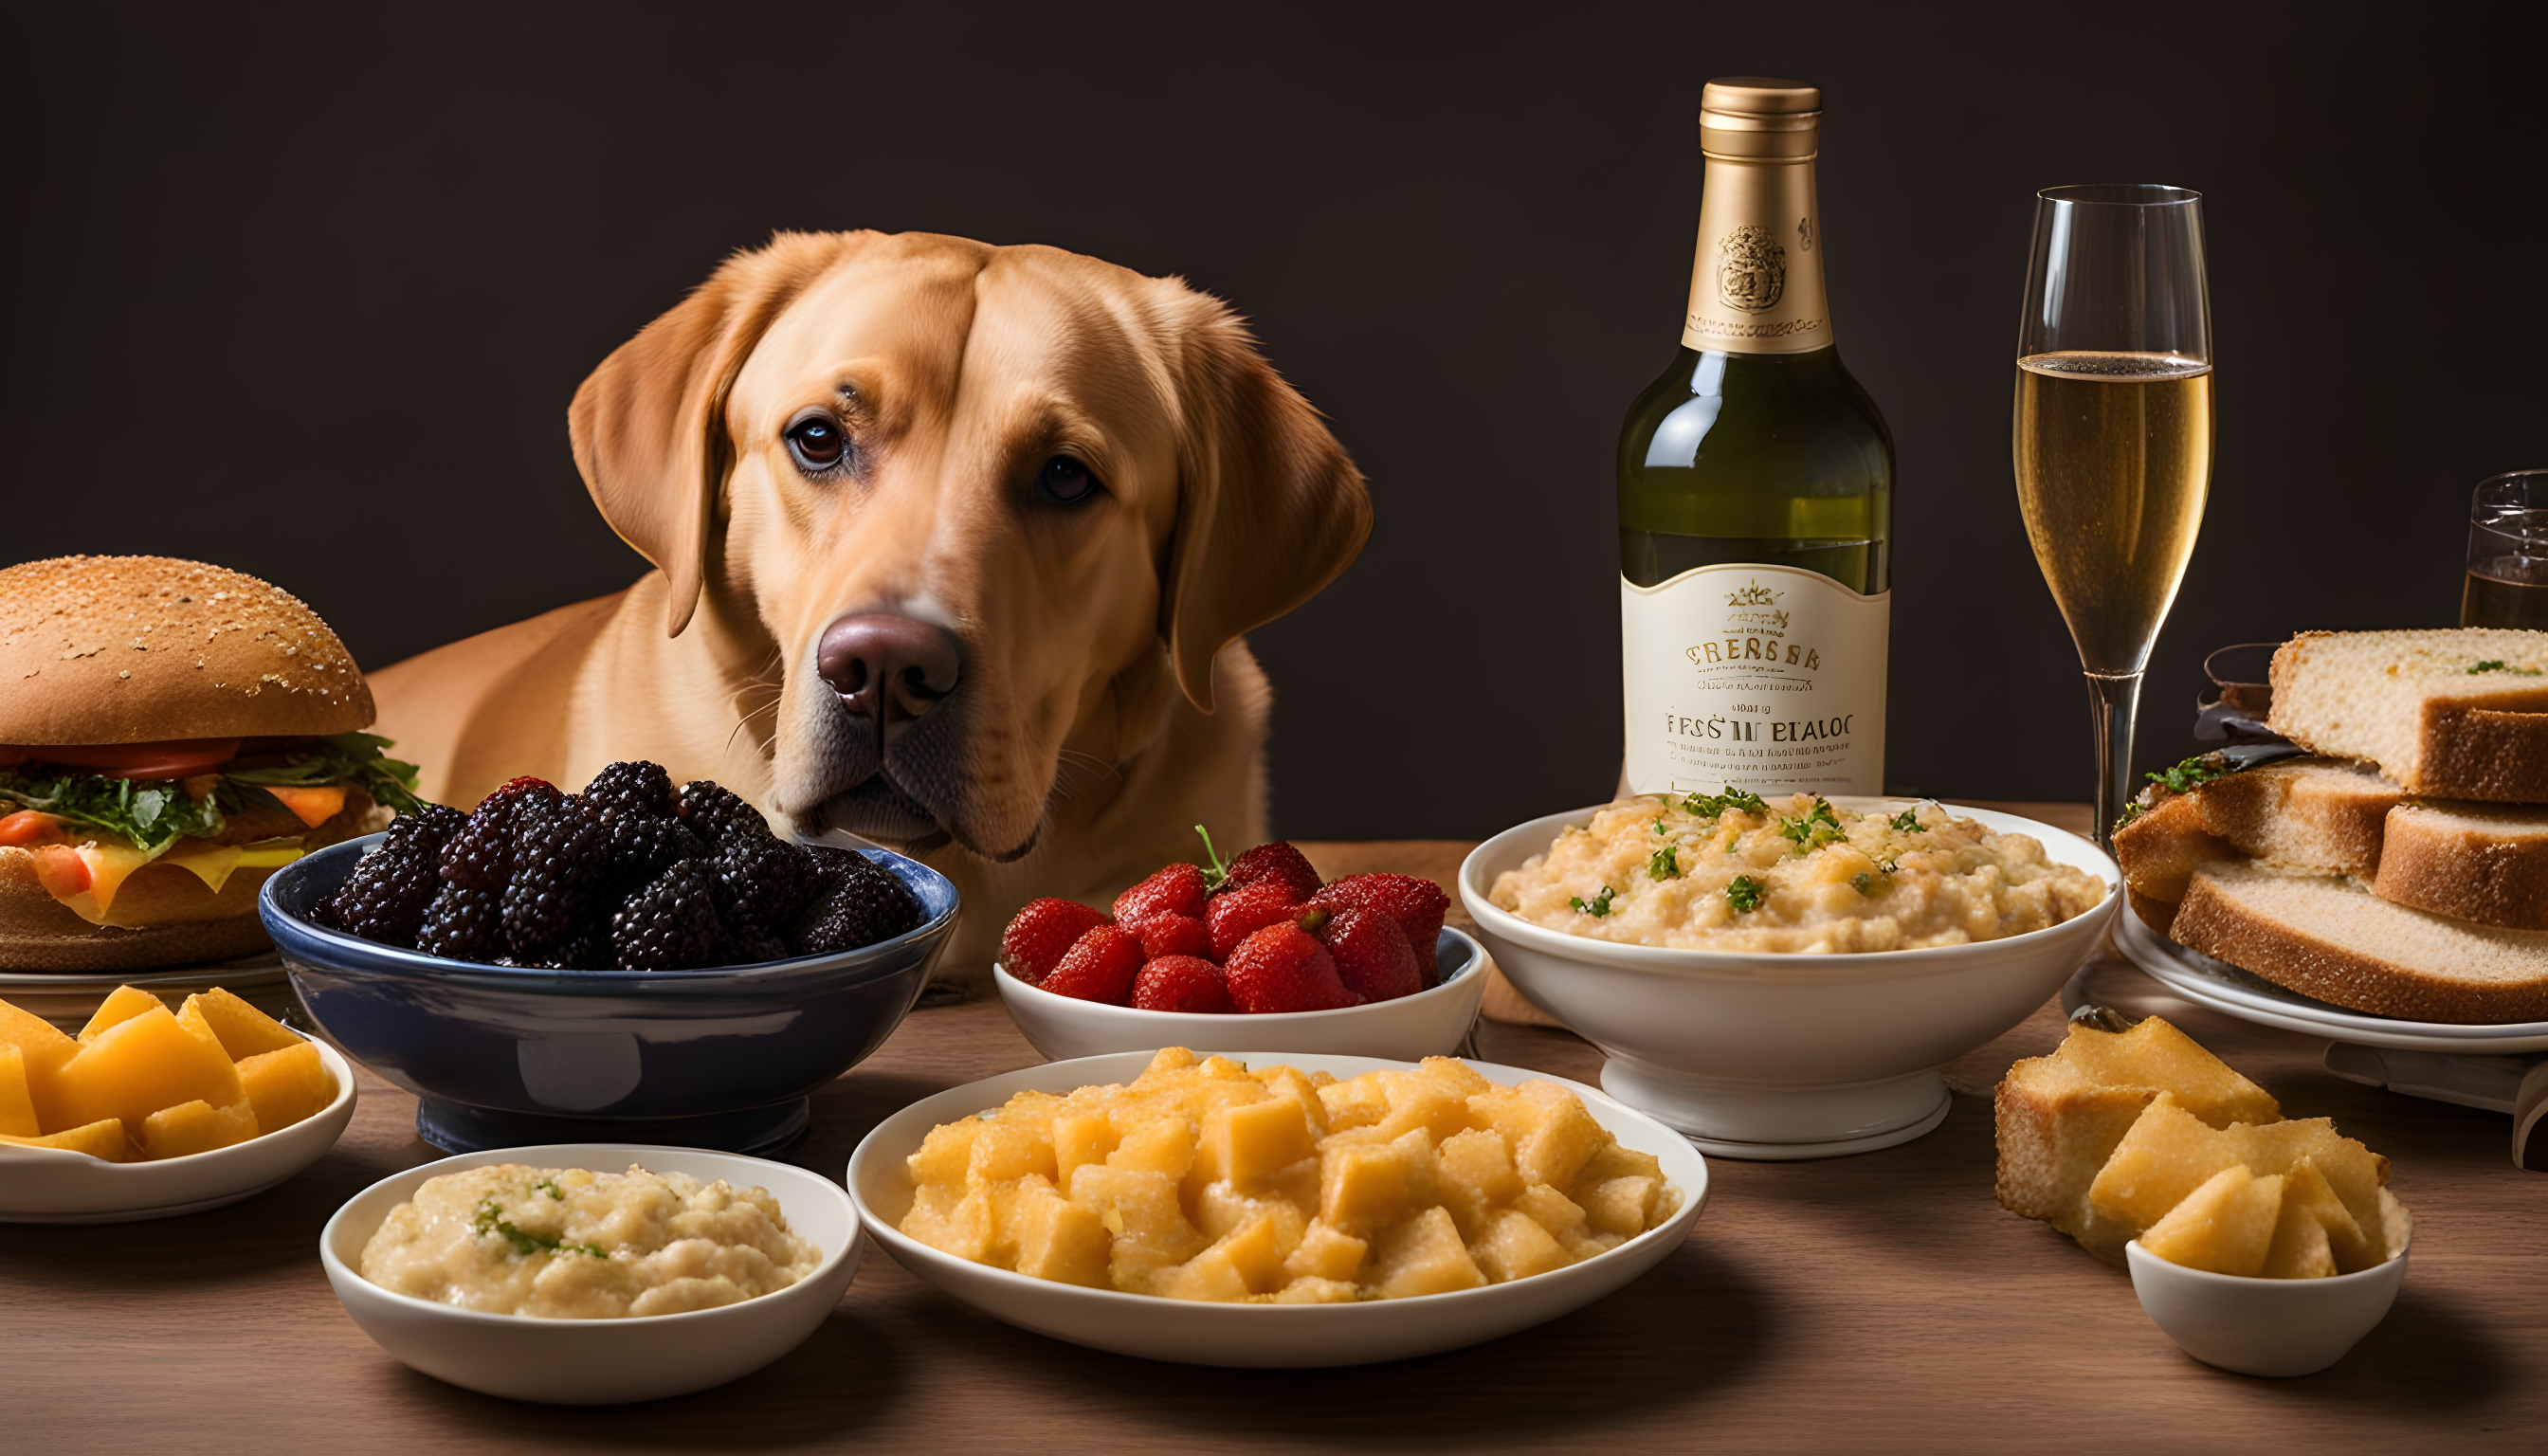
column 1016, row 346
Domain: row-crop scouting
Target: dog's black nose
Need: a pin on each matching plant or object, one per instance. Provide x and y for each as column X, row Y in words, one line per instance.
column 886, row 667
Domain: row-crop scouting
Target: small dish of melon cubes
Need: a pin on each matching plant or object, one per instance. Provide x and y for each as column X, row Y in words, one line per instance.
column 1274, row 1210
column 148, row 1113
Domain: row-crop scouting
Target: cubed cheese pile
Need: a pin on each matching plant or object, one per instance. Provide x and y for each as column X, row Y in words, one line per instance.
column 141, row 1082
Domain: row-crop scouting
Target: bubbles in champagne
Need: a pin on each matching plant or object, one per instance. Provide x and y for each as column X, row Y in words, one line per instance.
column 2091, row 364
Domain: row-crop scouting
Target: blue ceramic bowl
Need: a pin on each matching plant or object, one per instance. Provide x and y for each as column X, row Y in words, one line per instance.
column 503, row 1056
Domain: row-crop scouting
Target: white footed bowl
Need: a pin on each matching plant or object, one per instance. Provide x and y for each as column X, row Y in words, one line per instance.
column 45, row 1185
column 1761, row 1055
column 1256, row 1336
column 2264, row 1326
column 1430, row 1023
column 599, row 1362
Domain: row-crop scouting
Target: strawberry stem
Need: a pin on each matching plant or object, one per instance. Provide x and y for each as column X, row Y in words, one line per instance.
column 1215, row 872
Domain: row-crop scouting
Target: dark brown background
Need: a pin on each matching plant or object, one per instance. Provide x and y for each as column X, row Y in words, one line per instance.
column 306, row 290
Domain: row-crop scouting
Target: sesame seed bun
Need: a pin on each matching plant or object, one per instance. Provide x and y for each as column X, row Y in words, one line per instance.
column 144, row 649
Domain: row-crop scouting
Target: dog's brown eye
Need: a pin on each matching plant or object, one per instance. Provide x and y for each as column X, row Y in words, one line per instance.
column 816, row 443
column 1066, row 480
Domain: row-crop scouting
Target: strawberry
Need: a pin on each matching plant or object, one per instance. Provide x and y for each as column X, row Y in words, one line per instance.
column 1371, row 954
column 1283, row 968
column 1234, row 915
column 1100, row 966
column 1277, row 862
column 1173, row 935
column 1181, row 984
column 1417, row 905
column 1175, row 889
column 1041, row 935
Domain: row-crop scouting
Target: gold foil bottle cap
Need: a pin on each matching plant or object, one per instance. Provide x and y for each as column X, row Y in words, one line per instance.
column 1760, row 118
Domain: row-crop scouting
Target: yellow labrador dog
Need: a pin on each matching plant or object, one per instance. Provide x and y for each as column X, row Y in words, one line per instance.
column 952, row 547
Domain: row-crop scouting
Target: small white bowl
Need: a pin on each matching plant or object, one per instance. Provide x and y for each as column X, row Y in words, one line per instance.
column 1771, row 1056
column 1430, row 1023
column 45, row 1185
column 1256, row 1337
column 2264, row 1326
column 599, row 1362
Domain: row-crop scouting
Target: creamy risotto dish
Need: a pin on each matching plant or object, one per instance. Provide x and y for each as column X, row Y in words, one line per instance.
column 565, row 1243
column 1733, row 871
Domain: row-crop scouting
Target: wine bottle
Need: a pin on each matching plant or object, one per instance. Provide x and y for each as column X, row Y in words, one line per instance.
column 1755, row 494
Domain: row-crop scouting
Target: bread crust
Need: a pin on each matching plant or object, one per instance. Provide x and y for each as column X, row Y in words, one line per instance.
column 2474, row 752
column 2222, row 916
column 2469, row 861
column 146, row 649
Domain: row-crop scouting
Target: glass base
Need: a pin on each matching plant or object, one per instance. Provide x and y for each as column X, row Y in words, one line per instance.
column 760, row 1131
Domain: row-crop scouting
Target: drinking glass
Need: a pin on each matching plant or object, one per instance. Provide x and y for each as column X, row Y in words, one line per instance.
column 2113, row 436
column 2507, row 553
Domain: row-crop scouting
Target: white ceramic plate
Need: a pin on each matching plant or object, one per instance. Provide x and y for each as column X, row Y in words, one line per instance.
column 1256, row 1337
column 42, row 1185
column 599, row 1362
column 2234, row 992
column 1430, row 1023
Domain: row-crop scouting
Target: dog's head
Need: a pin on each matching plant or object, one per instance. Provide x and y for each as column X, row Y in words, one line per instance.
column 991, row 505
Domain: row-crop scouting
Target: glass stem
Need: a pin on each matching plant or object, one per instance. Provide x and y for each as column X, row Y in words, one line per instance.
column 2113, row 699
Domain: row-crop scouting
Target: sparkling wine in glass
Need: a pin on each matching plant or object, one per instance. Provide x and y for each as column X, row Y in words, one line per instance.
column 2113, row 434
column 2507, row 555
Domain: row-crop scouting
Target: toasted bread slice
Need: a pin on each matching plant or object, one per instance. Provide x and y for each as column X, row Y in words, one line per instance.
column 2472, row 861
column 2451, row 714
column 2319, row 815
column 2328, row 937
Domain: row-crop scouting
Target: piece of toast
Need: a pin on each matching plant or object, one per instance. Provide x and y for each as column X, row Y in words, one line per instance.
column 2326, row 936
column 2323, row 816
column 2472, row 861
column 2447, row 712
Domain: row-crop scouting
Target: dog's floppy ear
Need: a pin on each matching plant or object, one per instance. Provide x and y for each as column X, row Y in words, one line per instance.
column 1269, row 509
column 648, row 424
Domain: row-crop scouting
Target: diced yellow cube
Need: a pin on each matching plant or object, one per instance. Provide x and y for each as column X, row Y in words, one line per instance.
column 196, row 1127
column 1005, row 1151
column 1208, row 1276
column 17, row 1104
column 1284, row 1081
column 1372, row 1185
column 1167, row 1059
column 46, row 1048
column 242, row 1029
column 1360, row 1102
column 2155, row 1056
column 944, row 1153
column 1616, row 1161
column 1222, row 1209
column 1464, row 1080
column 1551, row 1210
column 286, row 1086
column 142, row 1064
column 1422, row 1101
column 1472, row 1173
column 1061, row 1240
column 958, row 1224
column 2226, row 1225
column 2306, row 1188
column 1623, row 1206
column 1516, row 1246
column 1142, row 1209
column 1308, row 1290
column 1080, row 1137
column 1510, row 1113
column 1164, row 1144
column 1241, row 1144
column 101, row 1139
column 1564, row 1141
column 1326, row 1254
column 1424, row 1256
column 121, row 1005
column 2169, row 1152
column 2299, row 1249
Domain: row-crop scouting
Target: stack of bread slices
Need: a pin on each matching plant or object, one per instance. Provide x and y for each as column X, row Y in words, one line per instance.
column 2402, row 868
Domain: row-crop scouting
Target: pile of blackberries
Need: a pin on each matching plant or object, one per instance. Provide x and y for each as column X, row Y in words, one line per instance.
column 631, row 874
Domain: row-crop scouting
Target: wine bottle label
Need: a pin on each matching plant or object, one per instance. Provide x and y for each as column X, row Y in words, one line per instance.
column 1757, row 285
column 1757, row 677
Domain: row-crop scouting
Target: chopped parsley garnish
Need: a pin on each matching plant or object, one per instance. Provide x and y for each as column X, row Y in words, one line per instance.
column 1814, row 830
column 491, row 1219
column 2192, row 773
column 2498, row 665
column 1908, row 821
column 1863, row 883
column 549, row 1187
column 1711, row 805
column 1665, row 863
column 1745, row 894
column 1598, row 905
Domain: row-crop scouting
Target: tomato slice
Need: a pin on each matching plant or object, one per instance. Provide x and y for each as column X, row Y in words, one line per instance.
column 30, row 827
column 176, row 758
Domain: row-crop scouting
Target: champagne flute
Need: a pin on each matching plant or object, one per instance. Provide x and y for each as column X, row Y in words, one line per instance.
column 2113, row 436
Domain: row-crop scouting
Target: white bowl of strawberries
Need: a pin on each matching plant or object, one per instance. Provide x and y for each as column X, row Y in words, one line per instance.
column 1255, row 953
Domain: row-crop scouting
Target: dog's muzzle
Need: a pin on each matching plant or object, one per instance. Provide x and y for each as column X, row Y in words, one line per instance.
column 898, row 748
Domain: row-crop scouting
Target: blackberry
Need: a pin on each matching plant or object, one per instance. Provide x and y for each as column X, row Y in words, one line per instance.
column 588, row 948
column 761, row 884
column 636, row 790
column 643, row 848
column 671, row 923
column 464, row 924
column 560, row 862
column 481, row 854
column 858, row 903
column 716, row 814
column 386, row 896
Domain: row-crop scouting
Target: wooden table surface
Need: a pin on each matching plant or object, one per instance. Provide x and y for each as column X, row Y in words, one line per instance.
column 1882, row 1300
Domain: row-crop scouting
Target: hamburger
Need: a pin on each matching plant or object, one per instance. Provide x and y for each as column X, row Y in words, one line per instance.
column 171, row 733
